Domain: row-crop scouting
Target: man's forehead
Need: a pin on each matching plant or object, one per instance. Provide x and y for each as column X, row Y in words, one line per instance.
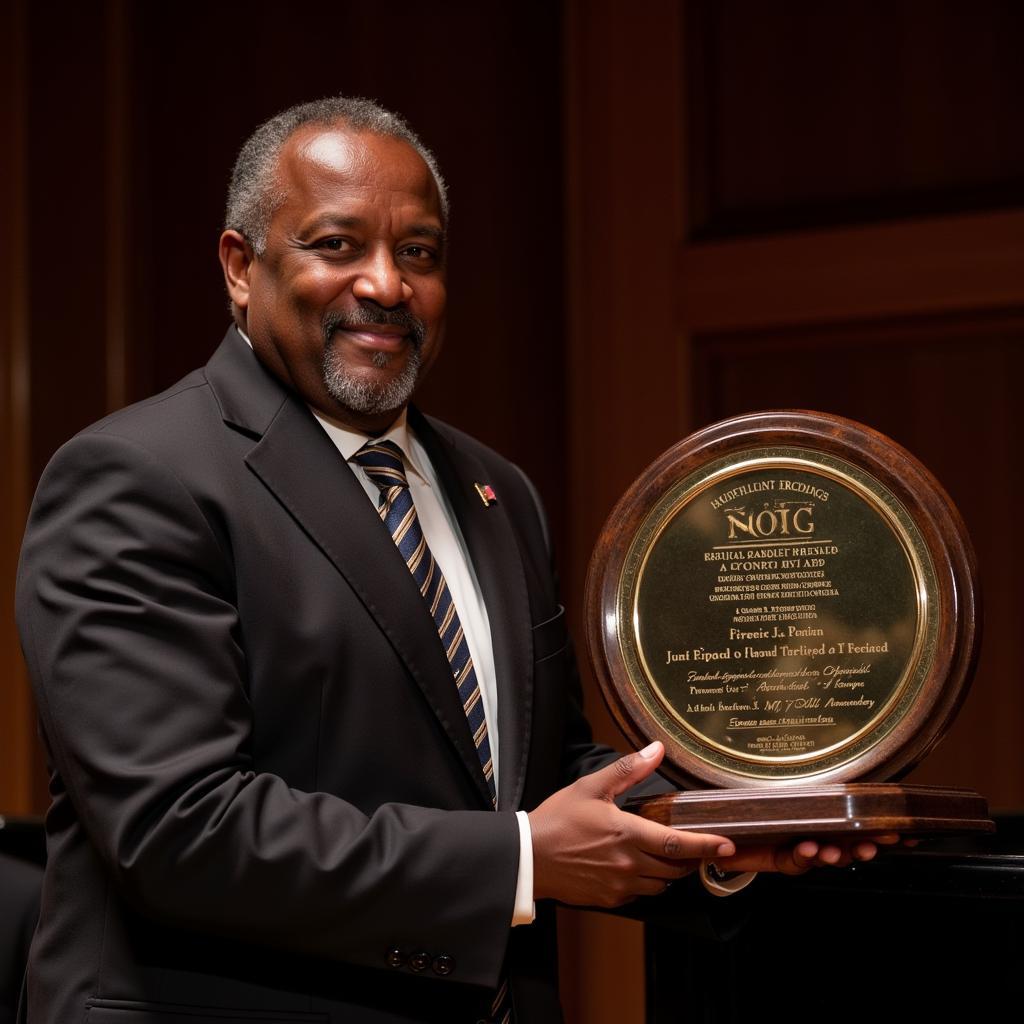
column 327, row 147
column 362, row 157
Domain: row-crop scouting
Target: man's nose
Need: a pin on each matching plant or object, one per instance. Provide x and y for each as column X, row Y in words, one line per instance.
column 380, row 280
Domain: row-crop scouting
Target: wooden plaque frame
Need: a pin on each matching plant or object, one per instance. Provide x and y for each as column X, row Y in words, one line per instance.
column 834, row 792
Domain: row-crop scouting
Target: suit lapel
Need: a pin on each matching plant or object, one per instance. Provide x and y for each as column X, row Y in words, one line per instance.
column 298, row 463
column 499, row 569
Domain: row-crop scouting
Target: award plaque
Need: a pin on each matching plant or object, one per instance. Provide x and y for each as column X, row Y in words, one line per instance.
column 787, row 601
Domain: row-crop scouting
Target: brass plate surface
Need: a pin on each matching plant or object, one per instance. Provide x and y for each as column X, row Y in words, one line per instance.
column 784, row 598
column 776, row 612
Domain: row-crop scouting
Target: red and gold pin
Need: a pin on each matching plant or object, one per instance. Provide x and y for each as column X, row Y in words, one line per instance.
column 486, row 492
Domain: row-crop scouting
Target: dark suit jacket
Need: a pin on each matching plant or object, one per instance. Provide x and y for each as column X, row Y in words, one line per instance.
column 264, row 786
column 20, row 882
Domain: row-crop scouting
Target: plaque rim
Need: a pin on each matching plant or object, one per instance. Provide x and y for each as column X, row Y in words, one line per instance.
column 937, row 520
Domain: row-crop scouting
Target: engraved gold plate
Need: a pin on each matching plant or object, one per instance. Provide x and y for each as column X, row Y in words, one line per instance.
column 773, row 610
column 784, row 599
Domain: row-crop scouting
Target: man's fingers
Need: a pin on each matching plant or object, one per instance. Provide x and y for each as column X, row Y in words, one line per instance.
column 623, row 774
column 806, row 854
column 830, row 855
column 797, row 859
column 803, row 855
column 887, row 839
column 789, row 860
column 673, row 844
column 809, row 854
column 588, row 852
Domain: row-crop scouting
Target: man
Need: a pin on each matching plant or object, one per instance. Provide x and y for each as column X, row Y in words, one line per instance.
column 297, row 708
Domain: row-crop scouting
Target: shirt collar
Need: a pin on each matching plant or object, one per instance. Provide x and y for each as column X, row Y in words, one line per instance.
column 349, row 441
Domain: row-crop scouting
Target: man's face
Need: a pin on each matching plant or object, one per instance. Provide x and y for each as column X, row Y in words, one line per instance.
column 346, row 304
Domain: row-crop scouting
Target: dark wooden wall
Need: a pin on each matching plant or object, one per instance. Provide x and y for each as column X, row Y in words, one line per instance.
column 130, row 115
column 829, row 207
column 663, row 213
column 808, row 205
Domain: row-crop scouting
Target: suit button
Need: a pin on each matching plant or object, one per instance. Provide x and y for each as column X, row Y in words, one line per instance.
column 395, row 958
column 419, row 961
column 444, row 964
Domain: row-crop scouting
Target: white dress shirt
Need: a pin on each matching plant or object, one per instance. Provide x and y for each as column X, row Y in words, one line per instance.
column 448, row 546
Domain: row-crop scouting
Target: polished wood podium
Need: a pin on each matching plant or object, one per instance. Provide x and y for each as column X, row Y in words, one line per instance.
column 932, row 930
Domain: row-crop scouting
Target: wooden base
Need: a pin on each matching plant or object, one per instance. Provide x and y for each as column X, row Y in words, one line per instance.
column 864, row 809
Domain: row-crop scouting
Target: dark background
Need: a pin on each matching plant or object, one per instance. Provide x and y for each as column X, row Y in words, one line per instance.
column 662, row 213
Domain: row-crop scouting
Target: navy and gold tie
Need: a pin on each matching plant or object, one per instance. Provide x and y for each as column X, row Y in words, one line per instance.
column 382, row 462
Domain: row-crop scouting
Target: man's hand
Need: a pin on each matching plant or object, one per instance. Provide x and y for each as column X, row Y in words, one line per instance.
column 588, row 852
column 796, row 858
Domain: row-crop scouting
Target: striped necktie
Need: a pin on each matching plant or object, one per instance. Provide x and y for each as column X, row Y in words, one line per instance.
column 382, row 462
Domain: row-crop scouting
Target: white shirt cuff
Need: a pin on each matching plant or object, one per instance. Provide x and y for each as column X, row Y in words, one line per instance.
column 719, row 886
column 525, row 910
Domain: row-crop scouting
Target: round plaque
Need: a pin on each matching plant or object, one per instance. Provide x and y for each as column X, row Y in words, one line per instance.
column 784, row 598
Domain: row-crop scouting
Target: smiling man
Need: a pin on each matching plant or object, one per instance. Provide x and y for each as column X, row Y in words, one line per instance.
column 343, row 294
column 316, row 746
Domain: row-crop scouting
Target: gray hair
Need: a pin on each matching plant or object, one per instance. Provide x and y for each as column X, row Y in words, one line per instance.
column 255, row 191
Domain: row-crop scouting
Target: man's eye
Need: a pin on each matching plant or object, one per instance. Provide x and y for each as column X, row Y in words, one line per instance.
column 332, row 244
column 420, row 254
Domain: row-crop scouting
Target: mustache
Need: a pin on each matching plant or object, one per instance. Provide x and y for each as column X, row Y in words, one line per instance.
column 367, row 315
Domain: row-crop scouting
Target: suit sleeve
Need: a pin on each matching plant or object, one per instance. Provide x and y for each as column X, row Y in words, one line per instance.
column 130, row 629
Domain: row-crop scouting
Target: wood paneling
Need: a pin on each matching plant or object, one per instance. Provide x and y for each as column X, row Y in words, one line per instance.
column 947, row 264
column 626, row 390
column 840, row 227
column 130, row 116
column 806, row 114
column 481, row 86
column 16, row 712
column 64, row 149
column 67, row 223
column 945, row 388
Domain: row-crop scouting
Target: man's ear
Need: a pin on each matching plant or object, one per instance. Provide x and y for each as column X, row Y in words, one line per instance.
column 236, row 259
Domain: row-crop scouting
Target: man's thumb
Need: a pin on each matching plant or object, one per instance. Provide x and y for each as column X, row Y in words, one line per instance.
column 626, row 772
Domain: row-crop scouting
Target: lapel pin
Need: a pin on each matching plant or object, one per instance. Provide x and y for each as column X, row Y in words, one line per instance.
column 486, row 492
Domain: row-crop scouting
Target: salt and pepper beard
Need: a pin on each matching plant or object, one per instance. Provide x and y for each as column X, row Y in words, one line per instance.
column 364, row 396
